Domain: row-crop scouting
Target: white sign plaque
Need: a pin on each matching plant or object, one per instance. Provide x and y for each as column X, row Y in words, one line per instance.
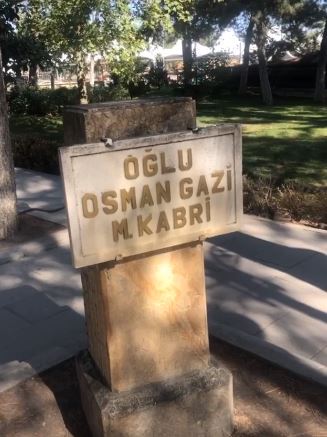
column 150, row 193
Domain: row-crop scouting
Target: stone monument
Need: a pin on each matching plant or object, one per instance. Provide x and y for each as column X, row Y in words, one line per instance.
column 140, row 203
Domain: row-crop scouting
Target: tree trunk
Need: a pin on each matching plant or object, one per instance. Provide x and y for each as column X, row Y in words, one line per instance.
column 92, row 78
column 52, row 79
column 187, row 58
column 32, row 75
column 246, row 57
column 320, row 89
column 81, row 82
column 261, row 39
column 8, row 213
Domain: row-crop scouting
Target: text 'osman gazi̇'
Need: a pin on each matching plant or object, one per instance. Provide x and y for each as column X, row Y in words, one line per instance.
column 154, row 165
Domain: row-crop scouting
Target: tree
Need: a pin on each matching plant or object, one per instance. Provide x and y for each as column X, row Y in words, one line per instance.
column 302, row 30
column 76, row 29
column 246, row 55
column 159, row 16
column 158, row 75
column 263, row 16
column 320, row 89
column 8, row 211
column 261, row 22
column 190, row 20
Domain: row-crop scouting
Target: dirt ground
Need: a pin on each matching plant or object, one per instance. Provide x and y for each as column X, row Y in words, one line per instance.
column 268, row 401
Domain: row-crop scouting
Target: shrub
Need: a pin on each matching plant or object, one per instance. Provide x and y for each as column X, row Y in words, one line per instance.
column 62, row 96
column 36, row 153
column 105, row 93
column 158, row 75
column 40, row 102
column 29, row 101
column 211, row 68
column 293, row 201
column 259, row 197
column 139, row 88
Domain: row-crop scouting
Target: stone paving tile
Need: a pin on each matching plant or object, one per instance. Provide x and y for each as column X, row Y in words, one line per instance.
column 297, row 363
column 301, row 295
column 321, row 357
column 35, row 308
column 264, row 282
column 237, row 308
column 38, row 190
column 11, row 327
column 41, row 190
column 60, row 330
column 8, row 297
column 298, row 332
column 270, row 253
column 313, row 271
column 286, row 234
column 227, row 263
column 14, row 372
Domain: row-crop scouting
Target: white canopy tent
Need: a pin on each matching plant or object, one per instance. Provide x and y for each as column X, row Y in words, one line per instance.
column 174, row 52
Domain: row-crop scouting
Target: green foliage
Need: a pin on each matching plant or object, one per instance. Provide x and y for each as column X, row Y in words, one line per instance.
column 33, row 101
column 42, row 102
column 208, row 69
column 105, row 93
column 35, row 141
column 9, row 10
column 77, row 28
column 36, row 153
column 158, row 75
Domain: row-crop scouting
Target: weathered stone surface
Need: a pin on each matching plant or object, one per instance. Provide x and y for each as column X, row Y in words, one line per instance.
column 148, row 324
column 127, row 119
column 198, row 404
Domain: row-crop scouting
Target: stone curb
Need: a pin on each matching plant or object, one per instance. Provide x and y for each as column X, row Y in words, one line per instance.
column 293, row 225
column 298, row 364
column 32, row 248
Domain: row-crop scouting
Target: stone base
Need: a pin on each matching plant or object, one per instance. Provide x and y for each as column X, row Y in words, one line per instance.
column 199, row 404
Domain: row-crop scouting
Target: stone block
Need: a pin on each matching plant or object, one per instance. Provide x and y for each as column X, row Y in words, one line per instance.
column 127, row 119
column 198, row 404
column 146, row 318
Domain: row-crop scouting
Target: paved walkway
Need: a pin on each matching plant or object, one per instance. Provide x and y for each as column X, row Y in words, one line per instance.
column 266, row 292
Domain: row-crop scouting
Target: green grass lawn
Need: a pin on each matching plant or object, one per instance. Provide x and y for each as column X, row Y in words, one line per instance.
column 49, row 127
column 287, row 141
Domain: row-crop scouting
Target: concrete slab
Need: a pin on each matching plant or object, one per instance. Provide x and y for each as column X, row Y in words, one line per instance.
column 8, row 298
column 11, row 327
column 308, row 368
column 312, row 271
column 35, row 308
column 321, row 356
column 43, row 191
column 298, row 332
column 259, row 306
column 232, row 306
column 16, row 371
column 292, row 235
column 32, row 248
column 63, row 330
column 267, row 252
